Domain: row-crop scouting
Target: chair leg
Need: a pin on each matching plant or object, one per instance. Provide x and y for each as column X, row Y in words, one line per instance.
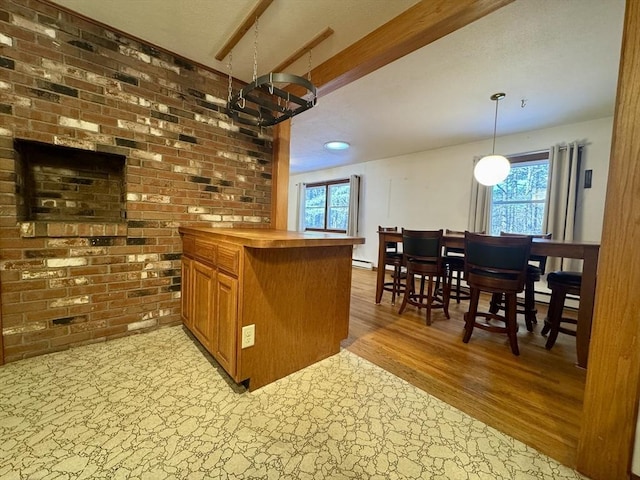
column 556, row 306
column 447, row 278
column 496, row 299
column 529, row 305
column 458, row 282
column 429, row 298
column 446, row 296
column 408, row 291
column 396, row 284
column 511, row 307
column 470, row 316
column 438, row 288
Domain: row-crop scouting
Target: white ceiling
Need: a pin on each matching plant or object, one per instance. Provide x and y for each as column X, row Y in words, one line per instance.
column 558, row 57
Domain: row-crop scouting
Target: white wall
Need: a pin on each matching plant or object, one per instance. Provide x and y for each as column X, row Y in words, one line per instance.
column 431, row 189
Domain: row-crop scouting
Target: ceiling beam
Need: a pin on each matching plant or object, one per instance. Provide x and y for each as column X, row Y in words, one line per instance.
column 307, row 47
column 425, row 22
column 244, row 27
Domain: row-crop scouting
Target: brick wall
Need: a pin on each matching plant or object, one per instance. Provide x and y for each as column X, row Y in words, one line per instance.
column 65, row 81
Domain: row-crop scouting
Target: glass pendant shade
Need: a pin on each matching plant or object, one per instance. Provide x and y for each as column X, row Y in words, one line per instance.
column 492, row 169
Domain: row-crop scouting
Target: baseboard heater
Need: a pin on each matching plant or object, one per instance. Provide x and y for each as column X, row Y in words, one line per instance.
column 361, row 264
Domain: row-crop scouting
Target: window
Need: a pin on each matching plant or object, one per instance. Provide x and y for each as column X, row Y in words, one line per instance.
column 518, row 203
column 326, row 206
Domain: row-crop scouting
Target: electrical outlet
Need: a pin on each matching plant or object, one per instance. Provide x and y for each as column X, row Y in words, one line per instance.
column 248, row 336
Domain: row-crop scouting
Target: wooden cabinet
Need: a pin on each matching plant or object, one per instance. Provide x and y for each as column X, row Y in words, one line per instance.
column 209, row 299
column 225, row 322
column 202, row 303
column 186, row 291
column 293, row 289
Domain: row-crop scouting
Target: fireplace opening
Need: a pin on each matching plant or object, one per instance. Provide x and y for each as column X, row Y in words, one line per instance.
column 63, row 184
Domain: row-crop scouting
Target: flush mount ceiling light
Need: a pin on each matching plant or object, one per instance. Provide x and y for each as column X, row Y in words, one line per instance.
column 264, row 102
column 492, row 169
column 336, row 145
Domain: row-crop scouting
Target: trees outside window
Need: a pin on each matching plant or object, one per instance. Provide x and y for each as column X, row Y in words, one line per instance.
column 326, row 206
column 517, row 204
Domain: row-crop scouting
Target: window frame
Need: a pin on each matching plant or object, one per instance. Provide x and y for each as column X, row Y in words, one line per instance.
column 326, row 184
column 532, row 157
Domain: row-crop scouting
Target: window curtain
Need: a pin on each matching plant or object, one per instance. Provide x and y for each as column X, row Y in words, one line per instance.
column 300, row 213
column 354, row 205
column 560, row 207
column 480, row 205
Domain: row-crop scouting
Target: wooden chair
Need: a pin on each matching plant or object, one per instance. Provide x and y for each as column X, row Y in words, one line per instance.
column 393, row 258
column 422, row 252
column 453, row 259
column 497, row 265
column 560, row 283
column 535, row 270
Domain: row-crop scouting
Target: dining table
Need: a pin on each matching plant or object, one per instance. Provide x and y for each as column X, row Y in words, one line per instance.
column 587, row 251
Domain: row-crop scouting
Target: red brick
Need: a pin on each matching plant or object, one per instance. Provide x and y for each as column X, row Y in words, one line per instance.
column 46, row 334
column 88, row 326
column 49, row 314
column 111, row 332
column 24, row 307
column 13, row 320
column 111, row 308
column 70, row 339
column 21, row 348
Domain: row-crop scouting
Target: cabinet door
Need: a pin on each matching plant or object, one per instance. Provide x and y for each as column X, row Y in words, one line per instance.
column 202, row 308
column 226, row 322
column 186, row 292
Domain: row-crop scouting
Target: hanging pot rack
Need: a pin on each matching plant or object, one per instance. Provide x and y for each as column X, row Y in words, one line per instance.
column 262, row 104
column 267, row 101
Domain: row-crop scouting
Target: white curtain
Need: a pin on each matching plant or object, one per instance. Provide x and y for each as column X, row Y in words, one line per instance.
column 354, row 205
column 479, row 206
column 300, row 213
column 560, row 207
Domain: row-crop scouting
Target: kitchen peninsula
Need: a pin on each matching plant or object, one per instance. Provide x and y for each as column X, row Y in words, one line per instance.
column 266, row 303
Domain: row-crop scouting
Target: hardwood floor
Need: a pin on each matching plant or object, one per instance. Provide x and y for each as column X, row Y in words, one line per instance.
column 535, row 397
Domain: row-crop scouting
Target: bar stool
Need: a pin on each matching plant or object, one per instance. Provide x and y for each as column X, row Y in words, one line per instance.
column 496, row 265
column 453, row 259
column 422, row 250
column 535, row 270
column 561, row 284
column 393, row 258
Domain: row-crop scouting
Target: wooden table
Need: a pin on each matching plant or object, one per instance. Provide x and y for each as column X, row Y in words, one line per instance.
column 587, row 251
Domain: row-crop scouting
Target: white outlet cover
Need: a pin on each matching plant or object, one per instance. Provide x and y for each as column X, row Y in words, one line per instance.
column 248, row 336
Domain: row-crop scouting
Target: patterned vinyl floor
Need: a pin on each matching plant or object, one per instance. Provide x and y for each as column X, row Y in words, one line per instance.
column 154, row 407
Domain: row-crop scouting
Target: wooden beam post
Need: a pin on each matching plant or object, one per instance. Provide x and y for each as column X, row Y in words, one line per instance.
column 280, row 175
column 613, row 376
column 243, row 28
column 425, row 22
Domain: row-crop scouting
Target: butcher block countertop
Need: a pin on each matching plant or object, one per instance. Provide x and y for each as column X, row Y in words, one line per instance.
column 268, row 238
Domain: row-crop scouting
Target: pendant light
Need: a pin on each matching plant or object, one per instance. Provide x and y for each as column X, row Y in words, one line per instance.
column 492, row 169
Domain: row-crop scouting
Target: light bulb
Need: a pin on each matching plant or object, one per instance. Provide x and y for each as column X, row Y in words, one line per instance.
column 492, row 169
